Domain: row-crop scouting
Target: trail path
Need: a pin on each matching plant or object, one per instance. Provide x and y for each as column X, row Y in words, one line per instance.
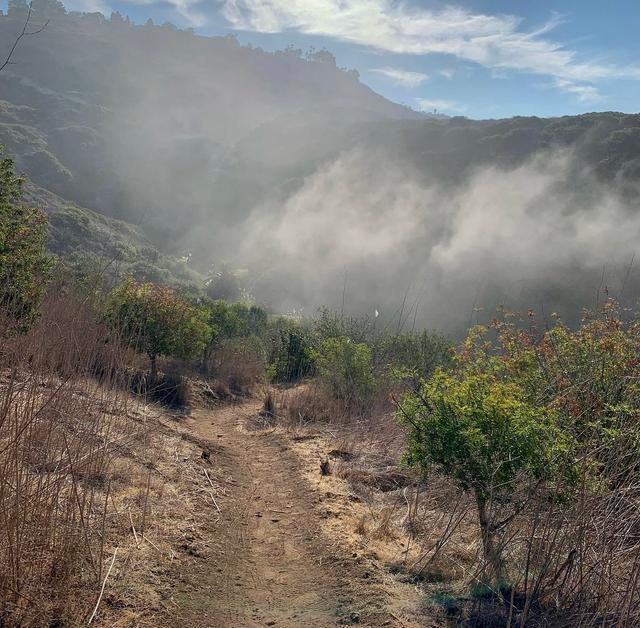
column 270, row 563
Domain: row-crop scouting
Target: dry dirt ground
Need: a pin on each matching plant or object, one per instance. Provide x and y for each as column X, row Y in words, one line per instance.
column 275, row 554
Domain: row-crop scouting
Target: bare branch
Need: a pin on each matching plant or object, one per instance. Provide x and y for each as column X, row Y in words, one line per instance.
column 23, row 33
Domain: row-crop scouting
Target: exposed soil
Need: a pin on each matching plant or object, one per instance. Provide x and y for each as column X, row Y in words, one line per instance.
column 272, row 559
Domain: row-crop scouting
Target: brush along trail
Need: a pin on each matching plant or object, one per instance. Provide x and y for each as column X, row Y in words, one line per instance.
column 271, row 562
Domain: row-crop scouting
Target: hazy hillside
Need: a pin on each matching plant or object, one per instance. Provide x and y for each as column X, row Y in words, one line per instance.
column 288, row 167
column 92, row 243
column 89, row 101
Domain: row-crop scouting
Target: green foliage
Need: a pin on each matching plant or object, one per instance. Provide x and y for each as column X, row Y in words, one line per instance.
column 590, row 377
column 414, row 356
column 481, row 431
column 233, row 320
column 155, row 320
column 346, row 369
column 291, row 354
column 88, row 241
column 330, row 324
column 24, row 266
column 523, row 413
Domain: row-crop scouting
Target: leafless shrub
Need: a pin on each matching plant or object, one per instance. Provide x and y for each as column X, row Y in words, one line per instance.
column 58, row 428
column 239, row 363
column 171, row 389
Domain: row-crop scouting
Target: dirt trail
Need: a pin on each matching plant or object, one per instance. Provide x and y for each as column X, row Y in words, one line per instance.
column 269, row 562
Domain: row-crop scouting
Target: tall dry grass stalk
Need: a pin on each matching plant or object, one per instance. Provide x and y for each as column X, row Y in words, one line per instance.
column 63, row 408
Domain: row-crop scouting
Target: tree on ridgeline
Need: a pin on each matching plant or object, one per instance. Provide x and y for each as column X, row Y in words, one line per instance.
column 48, row 8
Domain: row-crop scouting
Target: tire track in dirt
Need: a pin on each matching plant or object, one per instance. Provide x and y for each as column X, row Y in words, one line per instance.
column 271, row 564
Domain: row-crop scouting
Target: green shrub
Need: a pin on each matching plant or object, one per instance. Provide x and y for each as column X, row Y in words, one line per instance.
column 236, row 320
column 484, row 434
column 155, row 320
column 291, row 354
column 229, row 321
column 346, row 369
column 414, row 356
column 24, row 266
column 330, row 324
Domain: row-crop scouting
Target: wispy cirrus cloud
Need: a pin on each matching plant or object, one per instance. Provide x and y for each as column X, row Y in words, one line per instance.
column 584, row 93
column 404, row 78
column 496, row 42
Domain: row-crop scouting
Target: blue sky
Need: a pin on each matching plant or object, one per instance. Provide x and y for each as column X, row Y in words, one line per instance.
column 479, row 58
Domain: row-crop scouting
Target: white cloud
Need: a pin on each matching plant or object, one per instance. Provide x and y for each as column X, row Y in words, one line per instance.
column 405, row 78
column 584, row 93
column 493, row 41
column 185, row 9
column 426, row 104
column 447, row 73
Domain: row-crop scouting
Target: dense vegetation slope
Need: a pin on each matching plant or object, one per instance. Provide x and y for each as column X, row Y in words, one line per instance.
column 211, row 148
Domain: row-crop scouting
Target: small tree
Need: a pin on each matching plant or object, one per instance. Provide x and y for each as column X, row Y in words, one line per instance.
column 155, row 320
column 482, row 431
column 24, row 265
column 346, row 368
column 235, row 320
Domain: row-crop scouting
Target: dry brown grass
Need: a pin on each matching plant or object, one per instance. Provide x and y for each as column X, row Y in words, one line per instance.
column 83, row 463
column 59, row 426
column 574, row 564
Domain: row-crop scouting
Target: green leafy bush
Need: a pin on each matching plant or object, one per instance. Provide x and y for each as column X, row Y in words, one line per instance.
column 483, row 433
column 230, row 322
column 414, row 356
column 525, row 418
column 291, row 352
column 346, row 369
column 24, row 266
column 236, row 320
column 155, row 320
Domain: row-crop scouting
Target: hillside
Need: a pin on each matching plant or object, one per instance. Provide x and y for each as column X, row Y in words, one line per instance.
column 89, row 100
column 94, row 243
column 276, row 351
column 216, row 151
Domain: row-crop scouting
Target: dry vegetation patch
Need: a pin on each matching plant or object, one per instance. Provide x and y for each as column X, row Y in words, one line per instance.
column 420, row 534
column 101, row 496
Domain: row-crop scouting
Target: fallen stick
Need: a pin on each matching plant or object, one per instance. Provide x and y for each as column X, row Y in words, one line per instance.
column 135, row 536
column 215, row 503
column 148, row 540
column 104, row 584
column 213, row 489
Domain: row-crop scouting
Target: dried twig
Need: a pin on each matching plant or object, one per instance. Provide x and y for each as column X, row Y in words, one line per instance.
column 104, row 584
column 135, row 535
column 215, row 503
column 23, row 33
